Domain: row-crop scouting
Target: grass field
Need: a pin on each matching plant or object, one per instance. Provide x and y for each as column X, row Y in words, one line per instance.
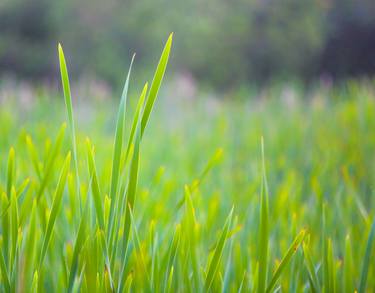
column 254, row 195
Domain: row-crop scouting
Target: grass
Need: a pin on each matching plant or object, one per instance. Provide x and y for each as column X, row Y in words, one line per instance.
column 258, row 196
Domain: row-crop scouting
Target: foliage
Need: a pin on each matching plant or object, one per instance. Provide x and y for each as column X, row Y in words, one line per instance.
column 293, row 211
column 223, row 43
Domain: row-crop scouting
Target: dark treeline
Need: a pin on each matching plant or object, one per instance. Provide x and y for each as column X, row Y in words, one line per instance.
column 220, row 42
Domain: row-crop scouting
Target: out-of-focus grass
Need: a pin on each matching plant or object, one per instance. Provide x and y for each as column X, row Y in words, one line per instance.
column 177, row 185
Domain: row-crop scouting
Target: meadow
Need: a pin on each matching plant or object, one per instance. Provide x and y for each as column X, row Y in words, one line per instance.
column 272, row 193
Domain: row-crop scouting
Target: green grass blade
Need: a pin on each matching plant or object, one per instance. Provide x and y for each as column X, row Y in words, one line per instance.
column 170, row 279
column 7, row 199
column 80, row 240
column 190, row 229
column 104, row 244
column 131, row 190
column 155, row 85
column 128, row 283
column 137, row 244
column 120, row 125
column 136, row 118
column 69, row 110
column 34, row 285
column 31, row 240
column 313, row 277
column 4, row 272
column 263, row 229
column 55, row 208
column 48, row 171
column 129, row 201
column 10, row 172
column 95, row 186
column 366, row 260
column 218, row 252
column 33, row 155
column 348, row 266
column 14, row 226
column 286, row 259
column 172, row 253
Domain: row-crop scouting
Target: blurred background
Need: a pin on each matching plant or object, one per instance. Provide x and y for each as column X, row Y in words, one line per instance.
column 219, row 44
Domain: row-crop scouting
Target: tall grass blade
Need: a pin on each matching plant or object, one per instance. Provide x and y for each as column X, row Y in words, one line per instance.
column 48, row 171
column 55, row 208
column 218, row 252
column 172, row 253
column 286, row 259
column 367, row 259
column 4, row 272
column 80, row 240
column 120, row 125
column 155, row 85
column 136, row 118
column 313, row 277
column 14, row 227
column 95, row 186
column 263, row 229
column 69, row 110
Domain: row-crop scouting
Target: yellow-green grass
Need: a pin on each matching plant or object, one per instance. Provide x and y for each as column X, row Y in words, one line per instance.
column 251, row 196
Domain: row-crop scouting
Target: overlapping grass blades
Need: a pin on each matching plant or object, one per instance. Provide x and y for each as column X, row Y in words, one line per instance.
column 115, row 231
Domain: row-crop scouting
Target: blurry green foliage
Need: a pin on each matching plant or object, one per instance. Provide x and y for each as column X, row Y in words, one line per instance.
column 223, row 43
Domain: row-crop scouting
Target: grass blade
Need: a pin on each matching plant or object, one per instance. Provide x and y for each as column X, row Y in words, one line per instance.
column 136, row 118
column 29, row 252
column 48, row 171
column 95, row 186
column 348, row 267
column 155, row 85
column 313, row 277
column 214, row 264
column 14, row 226
column 131, row 190
column 263, row 229
column 120, row 125
column 286, row 259
column 69, row 110
column 55, row 208
column 4, row 272
column 80, row 240
column 366, row 259
column 172, row 253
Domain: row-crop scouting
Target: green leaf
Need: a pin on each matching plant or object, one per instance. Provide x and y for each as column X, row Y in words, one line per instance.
column 10, row 171
column 48, row 171
column 366, row 260
column 31, row 240
column 214, row 264
column 34, row 285
column 55, row 208
column 155, row 85
column 128, row 283
column 286, row 259
column 263, row 229
column 95, row 186
column 120, row 125
column 131, row 190
column 14, row 226
column 80, row 240
column 34, row 156
column 172, row 252
column 69, row 110
column 4, row 272
column 313, row 277
column 136, row 118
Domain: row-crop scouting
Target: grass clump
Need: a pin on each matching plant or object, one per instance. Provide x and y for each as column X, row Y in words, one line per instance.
column 116, row 222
